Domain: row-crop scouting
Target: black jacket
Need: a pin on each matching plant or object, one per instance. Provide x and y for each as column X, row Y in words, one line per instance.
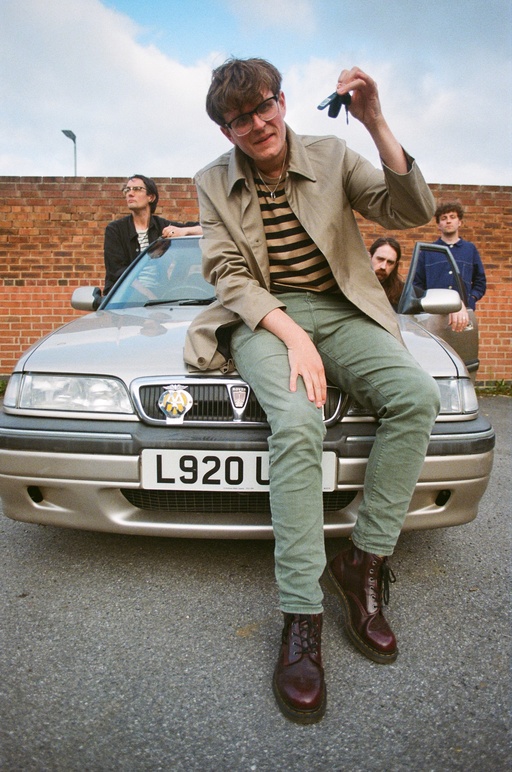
column 122, row 245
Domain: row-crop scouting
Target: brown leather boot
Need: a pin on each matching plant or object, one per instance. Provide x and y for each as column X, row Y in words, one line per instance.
column 299, row 686
column 362, row 580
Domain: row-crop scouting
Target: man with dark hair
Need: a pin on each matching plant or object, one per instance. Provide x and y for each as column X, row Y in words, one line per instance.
column 127, row 237
column 385, row 254
column 297, row 303
column 434, row 271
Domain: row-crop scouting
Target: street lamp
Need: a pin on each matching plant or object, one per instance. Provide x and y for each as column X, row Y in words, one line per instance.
column 71, row 135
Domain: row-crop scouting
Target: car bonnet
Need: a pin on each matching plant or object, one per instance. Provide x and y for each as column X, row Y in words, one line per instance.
column 126, row 343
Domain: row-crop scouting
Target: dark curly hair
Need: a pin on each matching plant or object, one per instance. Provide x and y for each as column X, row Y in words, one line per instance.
column 449, row 206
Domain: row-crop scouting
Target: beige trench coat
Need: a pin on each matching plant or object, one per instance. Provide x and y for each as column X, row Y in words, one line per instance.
column 326, row 181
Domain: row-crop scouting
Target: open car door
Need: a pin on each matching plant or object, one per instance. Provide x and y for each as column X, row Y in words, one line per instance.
column 431, row 308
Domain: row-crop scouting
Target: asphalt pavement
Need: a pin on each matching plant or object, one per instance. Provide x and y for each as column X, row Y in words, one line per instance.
column 145, row 654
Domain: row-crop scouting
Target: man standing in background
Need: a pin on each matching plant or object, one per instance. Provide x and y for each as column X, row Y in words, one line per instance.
column 433, row 270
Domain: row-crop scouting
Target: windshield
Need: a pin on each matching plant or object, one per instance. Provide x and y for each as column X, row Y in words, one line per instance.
column 168, row 272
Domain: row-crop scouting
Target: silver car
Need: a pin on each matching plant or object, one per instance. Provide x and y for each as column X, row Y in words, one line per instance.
column 103, row 427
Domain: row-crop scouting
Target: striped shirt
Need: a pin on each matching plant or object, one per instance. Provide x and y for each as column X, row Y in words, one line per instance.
column 143, row 239
column 295, row 261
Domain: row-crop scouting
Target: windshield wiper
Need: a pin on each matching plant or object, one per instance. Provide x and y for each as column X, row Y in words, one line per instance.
column 181, row 302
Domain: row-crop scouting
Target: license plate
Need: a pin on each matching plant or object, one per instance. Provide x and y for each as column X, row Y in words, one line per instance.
column 220, row 470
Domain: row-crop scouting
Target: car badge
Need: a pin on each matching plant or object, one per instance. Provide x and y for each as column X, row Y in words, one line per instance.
column 239, row 396
column 175, row 402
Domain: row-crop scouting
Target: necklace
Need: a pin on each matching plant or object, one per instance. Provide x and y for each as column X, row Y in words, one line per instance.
column 273, row 191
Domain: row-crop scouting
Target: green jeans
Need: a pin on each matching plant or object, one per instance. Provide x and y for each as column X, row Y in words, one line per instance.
column 366, row 361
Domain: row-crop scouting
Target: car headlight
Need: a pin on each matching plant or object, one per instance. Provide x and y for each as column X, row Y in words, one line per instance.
column 81, row 393
column 458, row 396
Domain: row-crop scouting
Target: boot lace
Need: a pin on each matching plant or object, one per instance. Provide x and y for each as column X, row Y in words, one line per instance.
column 304, row 634
column 380, row 584
column 388, row 578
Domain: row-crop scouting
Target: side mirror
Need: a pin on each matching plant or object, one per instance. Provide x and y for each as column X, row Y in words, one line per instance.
column 440, row 301
column 433, row 301
column 86, row 298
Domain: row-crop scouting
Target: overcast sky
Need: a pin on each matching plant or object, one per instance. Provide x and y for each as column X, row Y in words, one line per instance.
column 129, row 78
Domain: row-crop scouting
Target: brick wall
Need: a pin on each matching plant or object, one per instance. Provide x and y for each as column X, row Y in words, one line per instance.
column 51, row 241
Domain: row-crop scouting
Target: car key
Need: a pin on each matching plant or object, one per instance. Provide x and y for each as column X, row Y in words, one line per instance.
column 334, row 101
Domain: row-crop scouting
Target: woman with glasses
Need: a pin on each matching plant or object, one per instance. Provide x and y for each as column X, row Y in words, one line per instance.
column 127, row 237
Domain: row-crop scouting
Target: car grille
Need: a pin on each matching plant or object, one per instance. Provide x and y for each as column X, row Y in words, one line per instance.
column 212, row 403
column 231, row 503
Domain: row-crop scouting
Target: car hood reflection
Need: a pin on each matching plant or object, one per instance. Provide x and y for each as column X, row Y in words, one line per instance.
column 126, row 343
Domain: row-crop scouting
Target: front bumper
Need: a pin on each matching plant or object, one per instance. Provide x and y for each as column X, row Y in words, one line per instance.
column 86, row 474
